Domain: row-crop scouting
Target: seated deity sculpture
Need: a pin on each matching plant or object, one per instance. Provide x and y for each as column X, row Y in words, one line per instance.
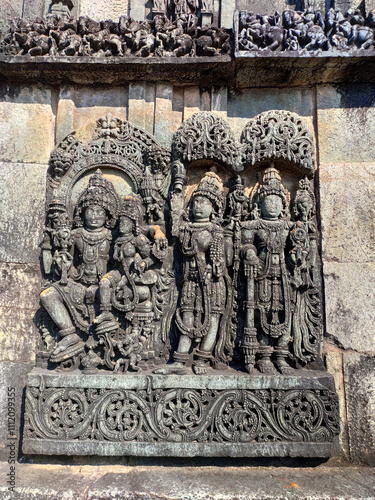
column 128, row 289
column 80, row 262
column 203, row 297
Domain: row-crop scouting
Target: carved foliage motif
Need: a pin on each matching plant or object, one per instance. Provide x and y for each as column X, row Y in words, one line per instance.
column 206, row 136
column 279, row 135
column 181, row 415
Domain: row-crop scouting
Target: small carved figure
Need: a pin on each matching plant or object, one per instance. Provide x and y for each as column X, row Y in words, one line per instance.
column 70, row 301
column 184, row 7
column 159, row 5
column 130, row 348
column 203, row 298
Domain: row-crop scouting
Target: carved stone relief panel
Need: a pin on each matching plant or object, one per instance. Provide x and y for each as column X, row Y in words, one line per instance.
column 200, row 262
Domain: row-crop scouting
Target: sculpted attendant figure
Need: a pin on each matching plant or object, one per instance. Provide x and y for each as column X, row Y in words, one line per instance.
column 204, row 290
column 128, row 289
column 269, row 306
column 70, row 302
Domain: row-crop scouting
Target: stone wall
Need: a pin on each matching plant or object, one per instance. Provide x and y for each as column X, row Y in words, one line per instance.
column 34, row 119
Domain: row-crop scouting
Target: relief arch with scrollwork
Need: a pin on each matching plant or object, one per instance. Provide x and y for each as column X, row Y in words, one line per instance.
column 120, row 149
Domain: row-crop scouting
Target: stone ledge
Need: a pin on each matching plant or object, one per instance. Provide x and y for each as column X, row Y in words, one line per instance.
column 254, row 69
column 188, row 482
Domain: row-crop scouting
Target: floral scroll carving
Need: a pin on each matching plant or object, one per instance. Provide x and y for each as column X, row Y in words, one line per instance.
column 207, row 136
column 279, row 135
column 189, row 415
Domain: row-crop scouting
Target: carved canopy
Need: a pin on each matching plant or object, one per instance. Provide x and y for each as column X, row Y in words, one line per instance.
column 115, row 143
column 205, row 136
column 276, row 135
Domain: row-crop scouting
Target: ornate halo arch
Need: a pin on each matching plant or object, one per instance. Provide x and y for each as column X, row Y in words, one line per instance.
column 206, row 136
column 116, row 145
column 279, row 135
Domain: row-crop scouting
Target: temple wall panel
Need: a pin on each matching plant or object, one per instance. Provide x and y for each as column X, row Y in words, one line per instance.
column 344, row 120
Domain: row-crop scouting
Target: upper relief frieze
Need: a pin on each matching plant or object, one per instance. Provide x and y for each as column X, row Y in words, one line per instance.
column 182, row 29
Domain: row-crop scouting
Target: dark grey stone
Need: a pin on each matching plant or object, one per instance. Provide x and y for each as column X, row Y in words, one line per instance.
column 225, row 414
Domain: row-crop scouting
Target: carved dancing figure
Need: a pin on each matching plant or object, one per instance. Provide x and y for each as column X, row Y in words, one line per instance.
column 128, row 288
column 70, row 301
column 204, row 294
column 269, row 305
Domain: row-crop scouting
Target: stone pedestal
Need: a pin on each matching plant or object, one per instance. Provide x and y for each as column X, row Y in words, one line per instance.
column 229, row 414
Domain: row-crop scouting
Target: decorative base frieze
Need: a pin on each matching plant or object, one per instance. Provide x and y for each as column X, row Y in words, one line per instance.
column 231, row 414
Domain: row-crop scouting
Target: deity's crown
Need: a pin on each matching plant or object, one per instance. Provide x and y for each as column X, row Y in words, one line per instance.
column 147, row 185
column 100, row 191
column 272, row 185
column 131, row 207
column 212, row 187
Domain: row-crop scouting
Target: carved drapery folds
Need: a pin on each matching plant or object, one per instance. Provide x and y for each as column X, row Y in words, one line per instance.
column 185, row 262
column 276, row 135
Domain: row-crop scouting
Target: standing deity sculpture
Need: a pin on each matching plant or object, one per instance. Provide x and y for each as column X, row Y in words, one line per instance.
column 202, row 312
column 129, row 289
column 268, row 290
column 79, row 260
column 279, row 259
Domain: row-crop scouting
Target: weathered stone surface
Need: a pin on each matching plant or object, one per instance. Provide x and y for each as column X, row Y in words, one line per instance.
column 243, row 105
column 347, row 193
column 281, row 69
column 166, row 481
column 23, row 109
column 12, row 375
column 22, row 208
column 8, row 11
column 18, row 335
column 149, row 106
column 359, row 377
column 19, row 285
column 227, row 8
column 343, row 111
column 333, row 360
column 219, row 101
column 136, row 114
column 33, row 8
column 266, row 7
column 350, row 304
column 102, row 9
column 164, row 113
column 177, row 108
column 192, row 102
column 79, row 107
